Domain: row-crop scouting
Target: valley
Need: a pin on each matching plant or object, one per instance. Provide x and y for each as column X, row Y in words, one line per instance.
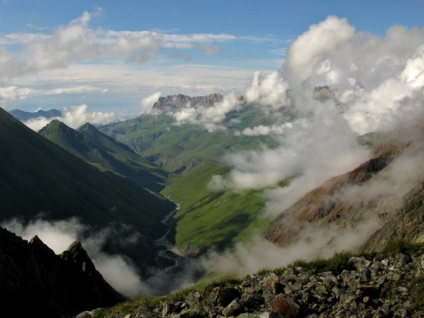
column 211, row 159
column 196, row 225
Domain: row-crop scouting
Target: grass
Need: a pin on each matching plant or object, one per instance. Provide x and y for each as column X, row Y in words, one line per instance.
column 208, row 218
column 172, row 146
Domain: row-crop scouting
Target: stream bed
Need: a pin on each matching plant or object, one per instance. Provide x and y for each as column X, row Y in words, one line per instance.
column 179, row 274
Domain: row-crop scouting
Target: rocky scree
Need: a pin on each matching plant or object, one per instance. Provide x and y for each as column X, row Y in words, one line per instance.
column 345, row 286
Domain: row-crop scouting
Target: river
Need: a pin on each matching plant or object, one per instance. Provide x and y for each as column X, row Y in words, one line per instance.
column 167, row 279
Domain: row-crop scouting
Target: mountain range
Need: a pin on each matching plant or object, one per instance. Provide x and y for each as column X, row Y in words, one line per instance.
column 25, row 116
column 40, row 180
column 139, row 161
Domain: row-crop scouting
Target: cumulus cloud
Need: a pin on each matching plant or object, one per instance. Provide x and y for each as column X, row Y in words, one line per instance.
column 77, row 42
column 59, row 235
column 74, row 117
column 310, row 49
column 148, row 102
column 309, row 144
column 208, row 117
column 377, row 84
column 268, row 90
column 10, row 93
column 262, row 130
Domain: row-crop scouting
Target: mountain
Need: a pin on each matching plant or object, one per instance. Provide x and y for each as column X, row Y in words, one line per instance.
column 91, row 145
column 179, row 101
column 39, row 179
column 180, row 148
column 388, row 189
column 25, row 116
column 37, row 282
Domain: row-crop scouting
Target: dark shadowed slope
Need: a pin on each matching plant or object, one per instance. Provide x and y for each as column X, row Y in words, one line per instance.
column 91, row 145
column 35, row 282
column 39, row 178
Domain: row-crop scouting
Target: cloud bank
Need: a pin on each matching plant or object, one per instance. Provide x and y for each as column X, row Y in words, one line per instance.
column 377, row 83
column 74, row 117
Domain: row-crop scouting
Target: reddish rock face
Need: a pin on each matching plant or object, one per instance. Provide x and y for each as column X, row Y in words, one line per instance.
column 324, row 205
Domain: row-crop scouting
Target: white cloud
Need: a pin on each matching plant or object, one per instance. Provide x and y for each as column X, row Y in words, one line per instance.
column 377, row 83
column 148, row 102
column 268, row 90
column 208, row 117
column 312, row 47
column 11, row 93
column 262, row 130
column 74, row 117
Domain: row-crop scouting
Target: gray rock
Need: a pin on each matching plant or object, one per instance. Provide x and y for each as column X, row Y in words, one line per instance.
column 234, row 308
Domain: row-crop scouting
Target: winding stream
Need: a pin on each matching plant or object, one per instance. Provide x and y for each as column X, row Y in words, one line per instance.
column 167, row 279
column 163, row 241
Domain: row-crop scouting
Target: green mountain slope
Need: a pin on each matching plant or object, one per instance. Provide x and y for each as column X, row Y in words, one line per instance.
column 180, row 148
column 206, row 219
column 212, row 219
column 39, row 178
column 91, row 145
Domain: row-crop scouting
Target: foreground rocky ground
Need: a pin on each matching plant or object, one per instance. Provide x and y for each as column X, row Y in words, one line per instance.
column 389, row 284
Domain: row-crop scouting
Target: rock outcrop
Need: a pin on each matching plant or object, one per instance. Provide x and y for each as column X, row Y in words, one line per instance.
column 174, row 102
column 35, row 282
column 371, row 285
column 387, row 188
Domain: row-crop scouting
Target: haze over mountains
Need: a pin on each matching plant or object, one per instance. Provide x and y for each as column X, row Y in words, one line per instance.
column 291, row 170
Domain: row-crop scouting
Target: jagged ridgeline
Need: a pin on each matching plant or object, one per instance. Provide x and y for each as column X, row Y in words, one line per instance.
column 193, row 155
column 35, row 282
column 179, row 148
column 106, row 153
column 40, row 179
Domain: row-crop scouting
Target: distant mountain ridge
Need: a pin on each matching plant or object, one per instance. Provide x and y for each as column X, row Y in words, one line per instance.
column 176, row 102
column 173, row 102
column 25, row 116
column 35, row 282
column 93, row 146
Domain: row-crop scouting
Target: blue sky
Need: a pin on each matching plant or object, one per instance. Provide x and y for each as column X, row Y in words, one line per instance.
column 110, row 55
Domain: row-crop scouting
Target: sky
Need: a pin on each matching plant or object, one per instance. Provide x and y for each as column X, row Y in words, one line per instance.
column 109, row 57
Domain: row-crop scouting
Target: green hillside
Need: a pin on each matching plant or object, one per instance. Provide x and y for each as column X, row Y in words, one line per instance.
column 39, row 178
column 212, row 219
column 180, row 148
column 206, row 219
column 91, row 145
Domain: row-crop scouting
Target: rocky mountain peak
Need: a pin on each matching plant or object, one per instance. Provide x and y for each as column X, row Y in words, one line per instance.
column 77, row 256
column 173, row 102
column 37, row 282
